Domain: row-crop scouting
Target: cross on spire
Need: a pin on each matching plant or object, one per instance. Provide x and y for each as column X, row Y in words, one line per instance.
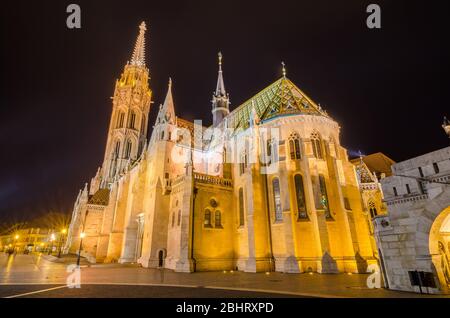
column 138, row 57
column 283, row 69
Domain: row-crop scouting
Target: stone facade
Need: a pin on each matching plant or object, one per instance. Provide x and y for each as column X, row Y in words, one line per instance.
column 415, row 235
column 220, row 209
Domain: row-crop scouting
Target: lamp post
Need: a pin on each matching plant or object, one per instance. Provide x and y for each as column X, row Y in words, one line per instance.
column 82, row 235
column 63, row 233
column 52, row 239
column 16, row 237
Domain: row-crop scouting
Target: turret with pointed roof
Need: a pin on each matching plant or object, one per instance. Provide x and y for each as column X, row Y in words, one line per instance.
column 220, row 100
column 166, row 112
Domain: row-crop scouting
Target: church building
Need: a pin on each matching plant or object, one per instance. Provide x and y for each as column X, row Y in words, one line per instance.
column 267, row 187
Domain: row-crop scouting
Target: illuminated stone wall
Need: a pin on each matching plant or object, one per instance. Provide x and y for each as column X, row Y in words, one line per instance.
column 408, row 237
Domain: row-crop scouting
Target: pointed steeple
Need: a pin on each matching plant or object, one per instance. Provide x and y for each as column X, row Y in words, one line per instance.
column 220, row 89
column 167, row 110
column 221, row 99
column 138, row 57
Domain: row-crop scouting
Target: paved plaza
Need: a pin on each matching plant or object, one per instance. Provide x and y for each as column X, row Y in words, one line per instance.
column 36, row 276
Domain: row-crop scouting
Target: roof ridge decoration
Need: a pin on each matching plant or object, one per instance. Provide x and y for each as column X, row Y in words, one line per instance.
column 278, row 99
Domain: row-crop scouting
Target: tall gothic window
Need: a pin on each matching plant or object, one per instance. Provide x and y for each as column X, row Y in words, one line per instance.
column 300, row 197
column 241, row 207
column 272, row 151
column 142, row 124
column 120, row 119
column 207, row 219
column 243, row 163
column 294, row 146
column 173, row 219
column 218, row 219
column 128, row 149
column 316, row 145
column 179, row 218
column 322, row 202
column 277, row 199
column 132, row 120
column 117, row 149
column 372, row 209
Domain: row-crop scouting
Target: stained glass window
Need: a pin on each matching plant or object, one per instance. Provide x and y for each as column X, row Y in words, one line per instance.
column 277, row 199
column 300, row 197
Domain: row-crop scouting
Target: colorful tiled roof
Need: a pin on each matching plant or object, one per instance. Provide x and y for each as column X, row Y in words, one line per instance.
column 280, row 98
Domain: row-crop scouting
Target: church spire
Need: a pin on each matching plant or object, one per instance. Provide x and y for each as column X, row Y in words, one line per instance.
column 167, row 111
column 220, row 89
column 220, row 99
column 138, row 57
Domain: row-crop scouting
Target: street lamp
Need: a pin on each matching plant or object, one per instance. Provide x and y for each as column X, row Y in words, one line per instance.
column 15, row 242
column 52, row 238
column 82, row 235
column 63, row 233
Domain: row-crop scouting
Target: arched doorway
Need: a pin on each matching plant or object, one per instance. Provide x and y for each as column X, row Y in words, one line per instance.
column 439, row 245
column 161, row 257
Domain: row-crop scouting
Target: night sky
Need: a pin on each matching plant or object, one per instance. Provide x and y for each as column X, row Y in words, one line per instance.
column 388, row 88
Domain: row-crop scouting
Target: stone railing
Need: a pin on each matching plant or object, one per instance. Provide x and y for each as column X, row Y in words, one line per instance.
column 407, row 199
column 208, row 179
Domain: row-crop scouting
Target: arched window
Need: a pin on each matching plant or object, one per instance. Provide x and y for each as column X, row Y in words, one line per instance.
column 300, row 197
column 241, row 207
column 294, row 146
column 272, row 151
column 321, row 196
column 372, row 209
column 128, row 149
column 277, row 199
column 243, row 162
column 207, row 220
column 117, row 149
column 143, row 124
column 218, row 219
column 173, row 219
column 141, row 146
column 316, row 145
column 120, row 119
column 132, row 120
column 179, row 218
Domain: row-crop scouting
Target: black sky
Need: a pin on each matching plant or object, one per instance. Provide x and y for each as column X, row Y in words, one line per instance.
column 387, row 88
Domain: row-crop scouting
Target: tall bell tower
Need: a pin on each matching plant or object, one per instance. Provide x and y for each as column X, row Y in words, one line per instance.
column 127, row 135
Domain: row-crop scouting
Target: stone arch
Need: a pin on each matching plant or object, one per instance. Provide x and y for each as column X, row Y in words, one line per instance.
column 161, row 256
column 439, row 247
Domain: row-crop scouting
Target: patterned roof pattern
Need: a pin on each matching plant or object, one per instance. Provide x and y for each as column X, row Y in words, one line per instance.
column 101, row 197
column 280, row 98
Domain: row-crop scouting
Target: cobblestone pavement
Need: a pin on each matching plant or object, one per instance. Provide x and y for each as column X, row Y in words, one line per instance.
column 37, row 270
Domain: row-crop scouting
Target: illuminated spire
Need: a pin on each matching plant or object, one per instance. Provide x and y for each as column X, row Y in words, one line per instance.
column 167, row 111
column 220, row 89
column 138, row 57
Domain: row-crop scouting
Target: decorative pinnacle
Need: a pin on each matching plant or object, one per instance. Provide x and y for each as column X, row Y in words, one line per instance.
column 283, row 69
column 170, row 82
column 219, row 55
column 138, row 57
